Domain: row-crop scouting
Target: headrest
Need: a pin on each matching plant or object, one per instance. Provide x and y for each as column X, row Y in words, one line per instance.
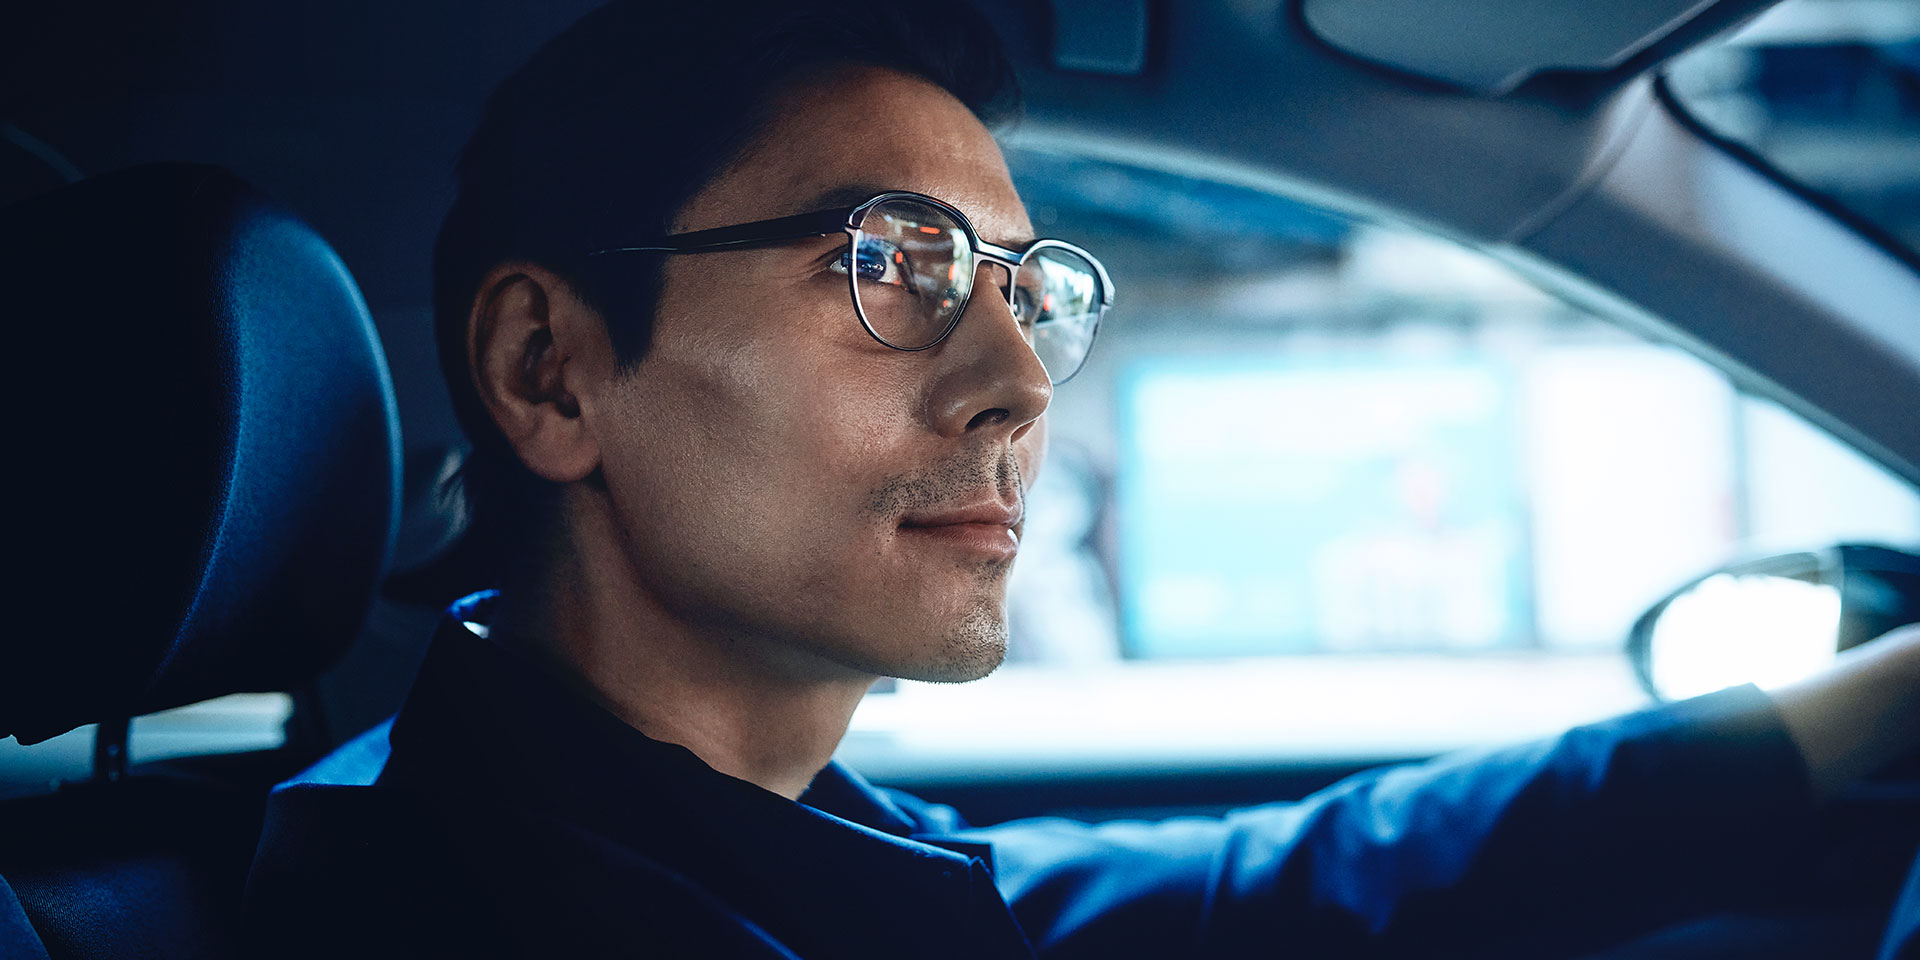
column 204, row 449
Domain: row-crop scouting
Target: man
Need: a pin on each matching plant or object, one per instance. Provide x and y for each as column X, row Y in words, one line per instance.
column 755, row 341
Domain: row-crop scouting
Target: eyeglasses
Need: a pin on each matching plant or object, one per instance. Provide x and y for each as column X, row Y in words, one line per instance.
column 910, row 264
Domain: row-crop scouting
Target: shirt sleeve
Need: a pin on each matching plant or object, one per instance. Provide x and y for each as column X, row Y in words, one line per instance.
column 1549, row 849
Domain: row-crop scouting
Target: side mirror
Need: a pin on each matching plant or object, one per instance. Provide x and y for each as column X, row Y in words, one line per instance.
column 1772, row 621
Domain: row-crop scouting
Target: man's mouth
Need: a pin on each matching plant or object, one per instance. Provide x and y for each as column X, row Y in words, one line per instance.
column 989, row 528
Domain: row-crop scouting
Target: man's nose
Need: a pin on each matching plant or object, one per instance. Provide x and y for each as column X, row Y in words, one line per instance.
column 990, row 378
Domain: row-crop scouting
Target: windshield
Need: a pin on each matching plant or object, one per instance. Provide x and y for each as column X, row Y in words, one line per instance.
column 1827, row 92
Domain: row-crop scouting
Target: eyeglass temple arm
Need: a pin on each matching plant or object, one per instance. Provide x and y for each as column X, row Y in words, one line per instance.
column 819, row 223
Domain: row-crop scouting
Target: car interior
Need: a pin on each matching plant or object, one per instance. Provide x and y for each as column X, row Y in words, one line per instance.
column 1518, row 328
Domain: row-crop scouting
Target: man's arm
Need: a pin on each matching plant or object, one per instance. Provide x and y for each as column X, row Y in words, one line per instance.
column 1547, row 849
column 1859, row 716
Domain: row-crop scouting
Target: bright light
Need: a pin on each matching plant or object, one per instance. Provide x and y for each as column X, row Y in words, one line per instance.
column 1730, row 630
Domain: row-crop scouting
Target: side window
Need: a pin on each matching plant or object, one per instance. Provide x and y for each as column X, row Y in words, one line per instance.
column 1335, row 488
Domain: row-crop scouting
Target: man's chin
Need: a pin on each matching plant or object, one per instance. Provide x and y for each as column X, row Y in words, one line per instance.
column 957, row 671
column 971, row 650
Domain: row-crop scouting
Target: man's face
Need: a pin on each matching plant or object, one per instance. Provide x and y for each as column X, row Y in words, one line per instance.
column 783, row 480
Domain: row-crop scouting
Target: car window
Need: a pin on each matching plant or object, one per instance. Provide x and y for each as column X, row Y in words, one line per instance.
column 1827, row 91
column 230, row 724
column 1337, row 489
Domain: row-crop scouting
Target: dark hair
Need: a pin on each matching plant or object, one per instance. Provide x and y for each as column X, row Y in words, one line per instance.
column 606, row 133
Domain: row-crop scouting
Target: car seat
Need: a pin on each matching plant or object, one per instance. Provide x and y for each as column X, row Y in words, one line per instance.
column 205, row 463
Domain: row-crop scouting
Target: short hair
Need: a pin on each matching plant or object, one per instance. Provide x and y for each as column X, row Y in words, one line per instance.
column 608, row 131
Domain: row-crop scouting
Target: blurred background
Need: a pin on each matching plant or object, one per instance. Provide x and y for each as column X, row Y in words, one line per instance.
column 1344, row 489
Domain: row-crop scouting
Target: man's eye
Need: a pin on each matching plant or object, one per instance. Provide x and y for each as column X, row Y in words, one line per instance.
column 1026, row 306
column 879, row 263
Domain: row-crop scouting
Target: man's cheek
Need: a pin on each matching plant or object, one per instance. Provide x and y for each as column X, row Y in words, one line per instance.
column 842, row 435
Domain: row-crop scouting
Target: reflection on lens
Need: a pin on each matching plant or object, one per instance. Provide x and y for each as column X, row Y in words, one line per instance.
column 916, row 270
column 1057, row 297
column 912, row 267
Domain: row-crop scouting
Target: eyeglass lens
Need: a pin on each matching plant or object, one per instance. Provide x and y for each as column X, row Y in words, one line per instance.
column 915, row 271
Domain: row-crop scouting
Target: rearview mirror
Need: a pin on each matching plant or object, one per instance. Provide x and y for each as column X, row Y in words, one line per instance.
column 1772, row 621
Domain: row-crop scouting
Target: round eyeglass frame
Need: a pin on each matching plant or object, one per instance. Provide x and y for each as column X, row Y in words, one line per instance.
column 823, row 223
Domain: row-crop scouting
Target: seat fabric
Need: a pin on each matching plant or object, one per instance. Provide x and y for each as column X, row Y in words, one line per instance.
column 144, row 868
column 17, row 936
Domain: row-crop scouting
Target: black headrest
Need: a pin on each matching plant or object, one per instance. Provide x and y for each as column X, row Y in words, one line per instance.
column 204, row 449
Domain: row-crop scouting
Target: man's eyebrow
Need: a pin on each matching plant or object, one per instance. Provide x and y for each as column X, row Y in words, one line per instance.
column 1019, row 240
column 850, row 194
column 844, row 195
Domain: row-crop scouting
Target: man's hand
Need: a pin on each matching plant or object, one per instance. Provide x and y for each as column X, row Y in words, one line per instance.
column 1860, row 715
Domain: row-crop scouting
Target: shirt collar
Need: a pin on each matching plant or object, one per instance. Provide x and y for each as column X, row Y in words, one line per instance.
column 525, row 701
column 483, row 720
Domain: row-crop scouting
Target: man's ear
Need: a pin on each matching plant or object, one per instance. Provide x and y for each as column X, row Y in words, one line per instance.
column 532, row 345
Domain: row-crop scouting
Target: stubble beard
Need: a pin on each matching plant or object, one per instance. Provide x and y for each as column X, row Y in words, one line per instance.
column 976, row 642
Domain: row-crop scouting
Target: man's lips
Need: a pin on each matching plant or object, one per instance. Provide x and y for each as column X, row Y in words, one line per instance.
column 992, row 513
column 990, row 528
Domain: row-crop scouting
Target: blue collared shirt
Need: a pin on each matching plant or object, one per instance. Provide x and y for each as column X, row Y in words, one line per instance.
column 516, row 817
